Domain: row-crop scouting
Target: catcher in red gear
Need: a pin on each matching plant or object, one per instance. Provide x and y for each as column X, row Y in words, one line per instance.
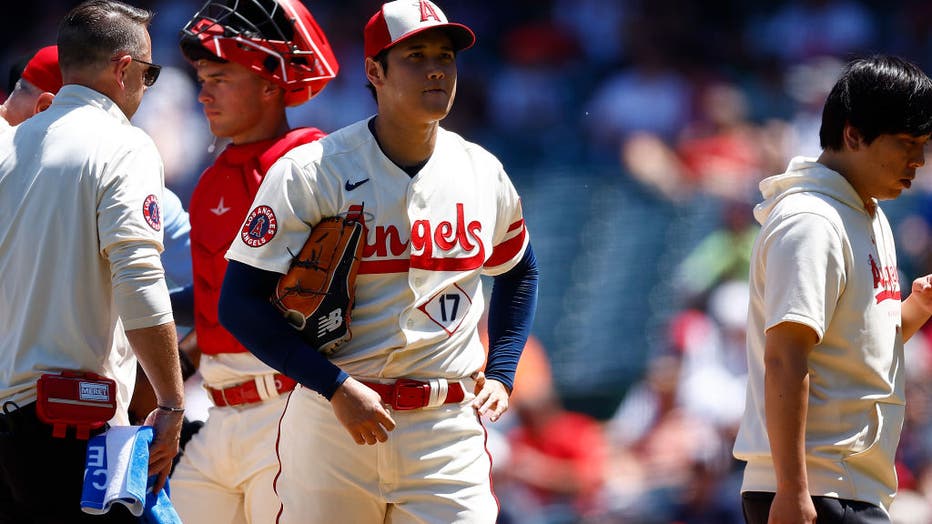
column 253, row 59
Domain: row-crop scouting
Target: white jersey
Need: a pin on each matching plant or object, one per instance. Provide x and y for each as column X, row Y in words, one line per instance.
column 821, row 260
column 80, row 187
column 429, row 238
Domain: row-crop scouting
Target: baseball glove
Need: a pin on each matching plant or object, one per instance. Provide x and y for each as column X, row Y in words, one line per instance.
column 316, row 294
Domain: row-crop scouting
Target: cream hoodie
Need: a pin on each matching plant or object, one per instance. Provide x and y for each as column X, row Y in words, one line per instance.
column 823, row 261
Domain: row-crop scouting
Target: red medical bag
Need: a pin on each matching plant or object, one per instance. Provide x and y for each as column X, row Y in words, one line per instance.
column 84, row 401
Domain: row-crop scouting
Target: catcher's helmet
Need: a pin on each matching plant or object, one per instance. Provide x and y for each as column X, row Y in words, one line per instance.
column 277, row 39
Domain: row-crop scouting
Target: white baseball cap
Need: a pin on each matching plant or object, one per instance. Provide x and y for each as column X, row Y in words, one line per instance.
column 402, row 19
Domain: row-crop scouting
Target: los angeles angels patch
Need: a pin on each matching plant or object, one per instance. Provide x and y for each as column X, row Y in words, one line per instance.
column 152, row 213
column 260, row 227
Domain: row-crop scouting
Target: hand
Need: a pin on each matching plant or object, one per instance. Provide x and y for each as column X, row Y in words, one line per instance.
column 491, row 397
column 361, row 412
column 792, row 508
column 167, row 434
column 922, row 291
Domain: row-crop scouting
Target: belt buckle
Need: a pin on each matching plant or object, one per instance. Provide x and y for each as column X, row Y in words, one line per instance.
column 410, row 394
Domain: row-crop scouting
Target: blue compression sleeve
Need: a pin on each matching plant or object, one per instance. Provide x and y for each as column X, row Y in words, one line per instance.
column 176, row 226
column 511, row 314
column 183, row 305
column 245, row 311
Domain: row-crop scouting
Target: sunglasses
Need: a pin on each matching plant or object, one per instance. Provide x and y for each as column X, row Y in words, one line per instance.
column 151, row 73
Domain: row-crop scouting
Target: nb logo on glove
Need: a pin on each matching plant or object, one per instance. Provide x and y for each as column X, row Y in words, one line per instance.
column 316, row 295
column 330, row 322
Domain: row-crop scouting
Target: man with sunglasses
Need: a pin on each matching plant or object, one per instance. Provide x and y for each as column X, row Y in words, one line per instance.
column 253, row 59
column 35, row 86
column 83, row 288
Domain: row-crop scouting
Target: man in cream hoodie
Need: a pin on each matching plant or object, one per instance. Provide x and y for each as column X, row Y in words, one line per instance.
column 826, row 323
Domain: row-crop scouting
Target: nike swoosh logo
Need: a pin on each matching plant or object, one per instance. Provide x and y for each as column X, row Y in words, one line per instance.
column 219, row 210
column 351, row 186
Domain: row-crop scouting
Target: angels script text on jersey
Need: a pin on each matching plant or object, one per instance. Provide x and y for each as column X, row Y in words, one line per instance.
column 424, row 238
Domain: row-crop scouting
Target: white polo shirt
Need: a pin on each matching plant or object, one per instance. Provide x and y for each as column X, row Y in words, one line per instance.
column 80, row 190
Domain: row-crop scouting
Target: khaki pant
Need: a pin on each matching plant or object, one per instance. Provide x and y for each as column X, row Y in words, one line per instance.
column 228, row 467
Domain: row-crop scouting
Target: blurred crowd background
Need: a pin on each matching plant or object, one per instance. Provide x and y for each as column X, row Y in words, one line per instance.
column 636, row 132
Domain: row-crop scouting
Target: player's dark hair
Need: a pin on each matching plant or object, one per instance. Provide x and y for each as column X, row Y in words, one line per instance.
column 94, row 31
column 877, row 95
column 382, row 59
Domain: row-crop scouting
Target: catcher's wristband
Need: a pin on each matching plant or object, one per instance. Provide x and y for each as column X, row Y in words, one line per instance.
column 171, row 409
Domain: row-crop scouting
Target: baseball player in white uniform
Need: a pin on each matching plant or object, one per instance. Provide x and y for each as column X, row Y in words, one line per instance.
column 826, row 323
column 387, row 428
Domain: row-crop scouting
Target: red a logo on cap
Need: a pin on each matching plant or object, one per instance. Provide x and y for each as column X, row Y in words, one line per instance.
column 427, row 11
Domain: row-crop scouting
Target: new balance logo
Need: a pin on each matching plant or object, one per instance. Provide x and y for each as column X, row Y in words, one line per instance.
column 351, row 186
column 330, row 323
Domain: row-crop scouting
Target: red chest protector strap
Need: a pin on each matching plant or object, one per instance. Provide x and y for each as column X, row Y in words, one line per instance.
column 291, row 140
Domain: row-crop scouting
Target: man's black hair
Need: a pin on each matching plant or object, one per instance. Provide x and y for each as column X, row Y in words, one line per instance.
column 877, row 95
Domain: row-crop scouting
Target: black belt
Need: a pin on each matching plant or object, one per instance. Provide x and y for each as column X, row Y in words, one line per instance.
column 23, row 420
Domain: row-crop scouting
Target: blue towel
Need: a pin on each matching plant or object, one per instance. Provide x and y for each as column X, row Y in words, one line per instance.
column 116, row 472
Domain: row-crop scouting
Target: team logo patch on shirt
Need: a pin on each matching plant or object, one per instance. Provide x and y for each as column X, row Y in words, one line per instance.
column 260, row 227
column 152, row 212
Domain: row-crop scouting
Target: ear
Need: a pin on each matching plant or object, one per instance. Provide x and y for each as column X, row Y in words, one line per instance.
column 852, row 138
column 270, row 89
column 374, row 72
column 43, row 102
column 118, row 69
